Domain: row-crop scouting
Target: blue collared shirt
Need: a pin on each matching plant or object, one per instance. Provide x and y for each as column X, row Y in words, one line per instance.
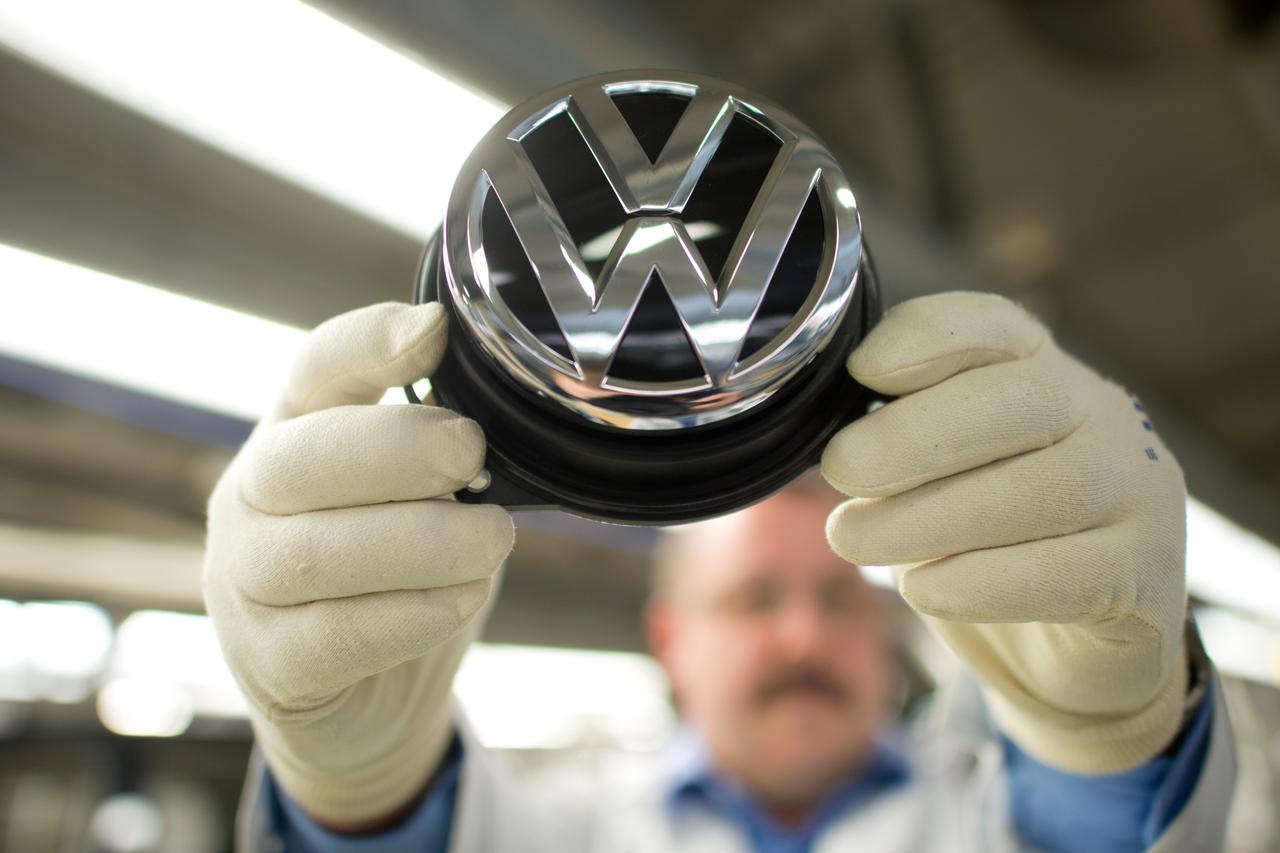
column 1051, row 809
column 695, row 781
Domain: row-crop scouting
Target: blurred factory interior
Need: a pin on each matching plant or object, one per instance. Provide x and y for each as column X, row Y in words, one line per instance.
column 185, row 188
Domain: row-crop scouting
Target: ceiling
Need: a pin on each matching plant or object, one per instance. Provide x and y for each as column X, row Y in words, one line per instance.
column 1115, row 166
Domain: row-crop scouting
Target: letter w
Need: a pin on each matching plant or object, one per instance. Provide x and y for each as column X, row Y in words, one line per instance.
column 594, row 314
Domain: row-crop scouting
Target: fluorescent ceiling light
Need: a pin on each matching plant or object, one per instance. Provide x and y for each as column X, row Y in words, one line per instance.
column 123, row 333
column 1240, row 646
column 1231, row 566
column 566, row 698
column 275, row 82
column 139, row 707
column 167, row 665
column 52, row 650
column 172, row 660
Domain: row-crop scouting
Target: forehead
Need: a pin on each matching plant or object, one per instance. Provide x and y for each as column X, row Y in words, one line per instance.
column 783, row 536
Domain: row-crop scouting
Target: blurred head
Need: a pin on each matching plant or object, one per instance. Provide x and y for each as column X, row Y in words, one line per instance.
column 774, row 646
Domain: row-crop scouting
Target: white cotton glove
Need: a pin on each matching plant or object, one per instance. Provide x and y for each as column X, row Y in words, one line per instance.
column 1043, row 519
column 343, row 580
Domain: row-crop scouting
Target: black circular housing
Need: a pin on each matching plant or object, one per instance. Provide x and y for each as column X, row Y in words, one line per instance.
column 653, row 280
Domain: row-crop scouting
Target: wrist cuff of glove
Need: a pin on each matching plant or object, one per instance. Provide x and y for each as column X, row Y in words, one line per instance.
column 1093, row 745
column 375, row 787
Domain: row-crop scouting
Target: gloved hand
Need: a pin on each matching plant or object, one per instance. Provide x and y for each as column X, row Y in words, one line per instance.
column 1041, row 519
column 342, row 578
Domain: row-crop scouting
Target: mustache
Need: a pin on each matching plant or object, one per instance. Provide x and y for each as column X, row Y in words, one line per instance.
column 801, row 678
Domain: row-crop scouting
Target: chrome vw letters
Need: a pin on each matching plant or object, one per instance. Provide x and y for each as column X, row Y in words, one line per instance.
column 593, row 312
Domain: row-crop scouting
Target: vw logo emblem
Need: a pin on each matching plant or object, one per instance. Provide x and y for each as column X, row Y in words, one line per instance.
column 639, row 266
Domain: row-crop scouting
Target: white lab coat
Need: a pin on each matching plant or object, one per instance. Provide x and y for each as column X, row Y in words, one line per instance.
column 955, row 802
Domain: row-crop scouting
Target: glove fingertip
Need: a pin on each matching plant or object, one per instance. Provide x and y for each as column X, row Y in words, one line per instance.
column 835, row 464
column 460, row 445
column 916, row 591
column 923, row 341
column 496, row 530
column 939, row 591
column 471, row 597
column 426, row 328
column 353, row 358
column 838, row 534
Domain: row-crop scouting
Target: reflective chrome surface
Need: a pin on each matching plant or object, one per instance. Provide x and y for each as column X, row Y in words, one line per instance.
column 597, row 340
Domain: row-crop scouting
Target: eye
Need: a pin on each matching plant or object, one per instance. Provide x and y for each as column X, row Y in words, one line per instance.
column 755, row 598
column 841, row 598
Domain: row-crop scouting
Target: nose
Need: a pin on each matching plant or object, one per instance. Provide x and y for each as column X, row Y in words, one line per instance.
column 801, row 629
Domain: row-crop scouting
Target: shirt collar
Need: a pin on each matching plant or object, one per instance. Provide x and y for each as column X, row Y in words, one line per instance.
column 691, row 777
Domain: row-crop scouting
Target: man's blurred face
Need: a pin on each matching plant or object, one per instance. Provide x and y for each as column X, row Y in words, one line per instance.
column 774, row 647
